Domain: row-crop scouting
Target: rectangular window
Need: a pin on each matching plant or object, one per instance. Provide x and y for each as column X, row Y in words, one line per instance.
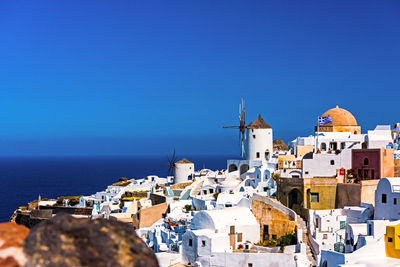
column 190, row 242
column 273, row 236
column 342, row 224
column 342, row 145
column 258, row 154
column 395, row 201
column 314, row 197
column 325, row 236
column 265, row 189
column 203, row 243
column 383, row 198
column 333, row 146
column 332, row 162
column 254, row 136
column 239, row 237
column 232, row 230
column 390, row 239
column 250, row 265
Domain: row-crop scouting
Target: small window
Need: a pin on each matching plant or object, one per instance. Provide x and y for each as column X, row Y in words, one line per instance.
column 383, row 198
column 366, row 162
column 204, row 192
column 342, row 224
column 273, row 236
column 306, row 172
column 258, row 154
column 325, row 236
column 390, row 239
column 203, row 243
column 254, row 136
column 342, row 145
column 190, row 242
column 211, row 191
column 332, row 162
column 228, row 205
column 232, row 229
column 323, row 147
column 395, row 201
column 249, row 264
column 314, row 197
column 265, row 189
column 239, row 237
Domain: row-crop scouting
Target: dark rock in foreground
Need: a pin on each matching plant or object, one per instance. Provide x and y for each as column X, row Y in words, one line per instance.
column 67, row 241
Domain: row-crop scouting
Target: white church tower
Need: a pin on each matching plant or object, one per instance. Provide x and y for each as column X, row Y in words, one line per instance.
column 259, row 140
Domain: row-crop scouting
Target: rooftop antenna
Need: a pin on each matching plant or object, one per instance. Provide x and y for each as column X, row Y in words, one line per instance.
column 242, row 127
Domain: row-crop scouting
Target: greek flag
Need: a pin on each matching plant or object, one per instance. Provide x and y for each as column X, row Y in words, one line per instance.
column 324, row 120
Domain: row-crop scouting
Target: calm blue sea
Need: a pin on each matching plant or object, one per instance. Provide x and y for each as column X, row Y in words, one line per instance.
column 24, row 178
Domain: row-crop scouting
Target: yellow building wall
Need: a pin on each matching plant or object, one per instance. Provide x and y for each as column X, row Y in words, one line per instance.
column 325, row 187
column 303, row 150
column 392, row 241
column 351, row 129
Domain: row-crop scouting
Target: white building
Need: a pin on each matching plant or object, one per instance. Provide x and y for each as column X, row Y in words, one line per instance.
column 218, row 231
column 183, row 171
column 326, row 165
column 380, row 137
column 387, row 199
column 259, row 140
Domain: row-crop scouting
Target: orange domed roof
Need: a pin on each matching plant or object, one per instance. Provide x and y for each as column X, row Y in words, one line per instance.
column 340, row 117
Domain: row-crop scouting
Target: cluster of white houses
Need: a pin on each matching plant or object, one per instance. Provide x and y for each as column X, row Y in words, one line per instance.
column 328, row 199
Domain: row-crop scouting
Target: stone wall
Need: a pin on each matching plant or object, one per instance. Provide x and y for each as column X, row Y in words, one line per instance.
column 270, row 213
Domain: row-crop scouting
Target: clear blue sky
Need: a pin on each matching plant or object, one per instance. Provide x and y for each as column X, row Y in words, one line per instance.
column 142, row 77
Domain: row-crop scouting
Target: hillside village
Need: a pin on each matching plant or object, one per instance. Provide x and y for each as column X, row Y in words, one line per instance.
column 328, row 199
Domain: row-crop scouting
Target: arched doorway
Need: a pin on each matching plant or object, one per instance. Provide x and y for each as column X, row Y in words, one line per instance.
column 232, row 168
column 295, row 198
column 244, row 168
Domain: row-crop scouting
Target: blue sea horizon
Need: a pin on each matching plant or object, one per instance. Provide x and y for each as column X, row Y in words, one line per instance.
column 24, row 178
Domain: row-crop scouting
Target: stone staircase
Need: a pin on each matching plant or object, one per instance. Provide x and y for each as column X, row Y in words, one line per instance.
column 310, row 255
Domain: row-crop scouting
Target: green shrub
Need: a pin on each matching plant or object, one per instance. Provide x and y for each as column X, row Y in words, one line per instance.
column 188, row 207
column 283, row 241
column 72, row 200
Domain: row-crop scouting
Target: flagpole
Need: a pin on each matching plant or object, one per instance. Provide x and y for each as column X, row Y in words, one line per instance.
column 316, row 149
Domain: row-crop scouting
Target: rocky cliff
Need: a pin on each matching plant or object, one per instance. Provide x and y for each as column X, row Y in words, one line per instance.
column 68, row 241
